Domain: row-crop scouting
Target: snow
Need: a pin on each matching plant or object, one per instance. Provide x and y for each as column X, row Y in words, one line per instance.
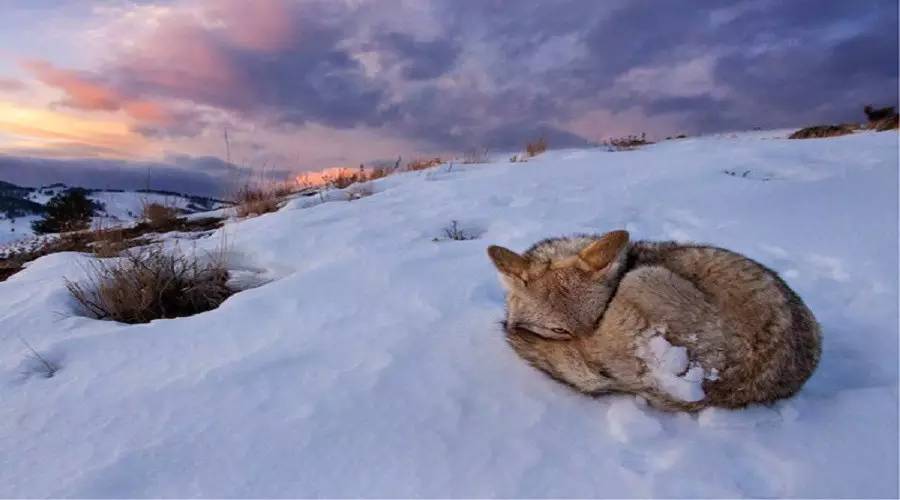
column 370, row 363
column 119, row 208
column 670, row 368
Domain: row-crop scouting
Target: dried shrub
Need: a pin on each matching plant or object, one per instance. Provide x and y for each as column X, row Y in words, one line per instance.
column 109, row 242
column 820, row 131
column 453, row 232
column 102, row 242
column 884, row 124
column 477, row 155
column 378, row 173
column 536, row 147
column 422, row 164
column 151, row 283
column 256, row 200
column 627, row 143
column 343, row 179
column 881, row 119
column 876, row 115
column 157, row 215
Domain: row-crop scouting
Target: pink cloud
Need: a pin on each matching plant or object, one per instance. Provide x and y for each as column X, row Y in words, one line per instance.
column 86, row 94
column 179, row 58
column 266, row 27
column 10, row 85
column 81, row 93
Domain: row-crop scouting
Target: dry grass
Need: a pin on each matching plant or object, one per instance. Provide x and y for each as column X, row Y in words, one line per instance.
column 877, row 115
column 477, row 155
column 453, row 232
column 102, row 242
column 535, row 147
column 343, row 179
column 158, row 215
column 110, row 242
column 258, row 200
column 151, row 283
column 819, row 131
column 626, row 143
column 378, row 173
column 422, row 164
column 885, row 124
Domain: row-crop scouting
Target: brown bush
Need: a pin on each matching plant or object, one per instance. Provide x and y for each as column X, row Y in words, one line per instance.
column 627, row 143
column 820, row 131
column 102, row 242
column 157, row 215
column 884, row 124
column 343, row 179
column 422, row 164
column 536, row 147
column 151, row 283
column 258, row 200
column 378, row 173
column 877, row 115
column 109, row 242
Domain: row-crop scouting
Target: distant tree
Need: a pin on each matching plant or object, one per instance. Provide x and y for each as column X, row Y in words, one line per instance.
column 67, row 211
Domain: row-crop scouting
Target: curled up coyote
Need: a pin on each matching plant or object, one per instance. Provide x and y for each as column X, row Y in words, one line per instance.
column 684, row 326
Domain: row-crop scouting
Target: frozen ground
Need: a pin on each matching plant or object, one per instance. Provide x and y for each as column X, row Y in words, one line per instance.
column 119, row 207
column 372, row 364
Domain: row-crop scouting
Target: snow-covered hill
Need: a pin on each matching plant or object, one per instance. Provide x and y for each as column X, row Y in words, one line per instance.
column 116, row 207
column 372, row 364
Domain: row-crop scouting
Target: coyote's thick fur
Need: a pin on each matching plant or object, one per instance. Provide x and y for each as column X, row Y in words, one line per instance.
column 685, row 326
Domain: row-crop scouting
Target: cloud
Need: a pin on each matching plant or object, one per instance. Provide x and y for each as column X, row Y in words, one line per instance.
column 419, row 60
column 85, row 92
column 455, row 74
column 11, row 85
column 205, row 176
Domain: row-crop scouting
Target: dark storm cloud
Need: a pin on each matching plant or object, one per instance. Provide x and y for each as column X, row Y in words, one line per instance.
column 500, row 70
column 418, row 59
column 204, row 176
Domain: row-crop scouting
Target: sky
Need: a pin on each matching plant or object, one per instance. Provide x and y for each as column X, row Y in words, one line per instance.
column 101, row 92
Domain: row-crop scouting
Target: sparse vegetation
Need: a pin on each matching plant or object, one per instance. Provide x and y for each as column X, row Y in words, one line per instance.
column 453, row 232
column 158, row 215
column 40, row 364
column 67, row 211
column 881, row 119
column 477, row 155
column 102, row 242
column 626, row 143
column 378, row 173
column 819, row 131
column 536, row 147
column 256, row 200
column 151, row 283
column 342, row 179
column 422, row 164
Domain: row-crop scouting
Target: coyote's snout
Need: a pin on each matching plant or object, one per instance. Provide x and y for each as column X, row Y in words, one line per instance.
column 685, row 326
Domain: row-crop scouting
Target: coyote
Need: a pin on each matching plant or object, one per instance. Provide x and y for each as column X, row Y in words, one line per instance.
column 684, row 326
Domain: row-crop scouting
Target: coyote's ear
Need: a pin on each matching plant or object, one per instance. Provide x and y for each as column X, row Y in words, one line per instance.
column 509, row 263
column 602, row 252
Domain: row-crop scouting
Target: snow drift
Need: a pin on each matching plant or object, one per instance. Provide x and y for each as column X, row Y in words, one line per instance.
column 370, row 363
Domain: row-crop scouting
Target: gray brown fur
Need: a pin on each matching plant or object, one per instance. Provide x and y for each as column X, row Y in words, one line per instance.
column 582, row 308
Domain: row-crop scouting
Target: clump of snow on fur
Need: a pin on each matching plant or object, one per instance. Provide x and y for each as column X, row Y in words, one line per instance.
column 671, row 369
